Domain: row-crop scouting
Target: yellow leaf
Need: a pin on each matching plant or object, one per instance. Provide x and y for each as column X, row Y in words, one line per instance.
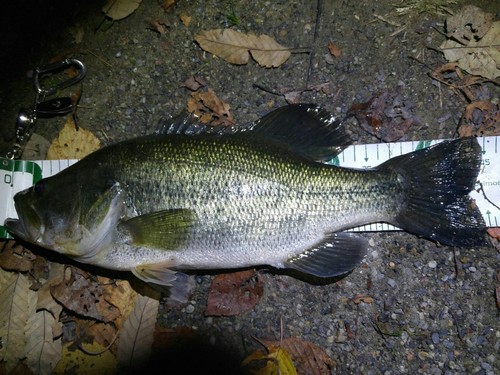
column 78, row 362
column 277, row 362
column 14, row 312
column 236, row 47
column 118, row 9
column 42, row 351
column 137, row 332
column 72, row 143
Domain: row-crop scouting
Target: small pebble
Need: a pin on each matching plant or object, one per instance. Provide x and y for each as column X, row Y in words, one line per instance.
column 189, row 309
column 432, row 264
column 435, row 338
column 472, row 269
column 391, row 282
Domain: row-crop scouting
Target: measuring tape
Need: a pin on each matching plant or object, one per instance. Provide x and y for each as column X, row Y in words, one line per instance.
column 17, row 175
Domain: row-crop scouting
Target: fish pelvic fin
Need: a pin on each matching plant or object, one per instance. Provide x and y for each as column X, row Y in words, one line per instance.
column 306, row 129
column 437, row 181
column 174, row 284
column 337, row 255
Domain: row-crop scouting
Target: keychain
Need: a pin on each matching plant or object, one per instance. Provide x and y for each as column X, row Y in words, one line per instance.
column 43, row 107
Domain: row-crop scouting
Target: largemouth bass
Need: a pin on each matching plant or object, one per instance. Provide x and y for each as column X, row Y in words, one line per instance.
column 194, row 199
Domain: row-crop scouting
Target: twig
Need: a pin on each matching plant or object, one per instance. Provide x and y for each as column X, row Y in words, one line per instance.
column 319, row 6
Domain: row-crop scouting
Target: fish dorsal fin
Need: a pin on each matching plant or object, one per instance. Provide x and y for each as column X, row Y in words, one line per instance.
column 338, row 254
column 187, row 123
column 306, row 129
column 167, row 229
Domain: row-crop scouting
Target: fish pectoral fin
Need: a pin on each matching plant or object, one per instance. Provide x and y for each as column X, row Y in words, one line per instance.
column 156, row 273
column 336, row 255
column 167, row 229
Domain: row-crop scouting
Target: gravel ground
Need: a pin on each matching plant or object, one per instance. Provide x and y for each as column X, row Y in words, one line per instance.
column 433, row 308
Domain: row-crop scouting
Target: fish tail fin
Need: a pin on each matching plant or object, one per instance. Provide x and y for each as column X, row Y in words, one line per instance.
column 437, row 182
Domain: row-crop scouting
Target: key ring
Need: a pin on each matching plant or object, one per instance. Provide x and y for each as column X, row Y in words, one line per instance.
column 27, row 117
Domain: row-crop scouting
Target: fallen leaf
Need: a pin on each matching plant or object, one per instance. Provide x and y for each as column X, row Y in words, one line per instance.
column 119, row 9
column 478, row 58
column 233, row 293
column 120, row 294
column 14, row 312
column 76, row 361
column 304, row 356
column 468, row 24
column 495, row 233
column 194, row 83
column 365, row 298
column 386, row 116
column 137, row 333
column 210, row 109
column 308, row 357
column 72, row 143
column 236, row 47
column 276, row 360
column 159, row 26
column 167, row 5
column 78, row 293
column 43, row 350
column 15, row 257
column 481, row 118
column 185, row 19
column 334, row 50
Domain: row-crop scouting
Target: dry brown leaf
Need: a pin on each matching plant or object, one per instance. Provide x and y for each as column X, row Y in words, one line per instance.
column 365, row 298
column 470, row 23
column 236, row 47
column 473, row 42
column 15, row 257
column 481, row 118
column 210, row 109
column 120, row 294
column 495, row 233
column 233, row 293
column 84, row 296
column 307, row 357
column 167, row 5
column 194, row 83
column 72, row 143
column 334, row 50
column 14, row 313
column 185, row 19
column 386, row 115
column 119, row 9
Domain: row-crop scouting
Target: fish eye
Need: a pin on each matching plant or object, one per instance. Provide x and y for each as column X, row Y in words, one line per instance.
column 39, row 187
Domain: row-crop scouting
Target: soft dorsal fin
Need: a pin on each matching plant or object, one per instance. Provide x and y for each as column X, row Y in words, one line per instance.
column 306, row 129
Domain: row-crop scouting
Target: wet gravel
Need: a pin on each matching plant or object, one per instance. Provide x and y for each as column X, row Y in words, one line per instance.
column 432, row 308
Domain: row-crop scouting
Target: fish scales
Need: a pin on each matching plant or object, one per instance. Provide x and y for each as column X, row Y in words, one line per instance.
column 191, row 199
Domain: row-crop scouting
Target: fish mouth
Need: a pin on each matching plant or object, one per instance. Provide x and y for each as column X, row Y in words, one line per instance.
column 28, row 227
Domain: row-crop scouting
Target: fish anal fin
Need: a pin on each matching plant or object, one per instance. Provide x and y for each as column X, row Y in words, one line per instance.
column 337, row 254
column 167, row 229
